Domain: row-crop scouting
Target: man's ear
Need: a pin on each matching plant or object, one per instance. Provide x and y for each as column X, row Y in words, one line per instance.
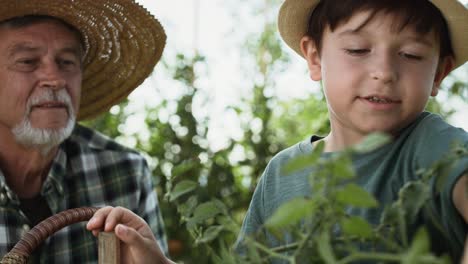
column 311, row 54
column 445, row 66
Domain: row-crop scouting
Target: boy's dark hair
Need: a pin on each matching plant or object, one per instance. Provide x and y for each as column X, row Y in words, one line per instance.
column 24, row 21
column 420, row 14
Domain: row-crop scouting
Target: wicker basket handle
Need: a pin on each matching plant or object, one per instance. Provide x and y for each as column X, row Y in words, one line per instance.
column 33, row 238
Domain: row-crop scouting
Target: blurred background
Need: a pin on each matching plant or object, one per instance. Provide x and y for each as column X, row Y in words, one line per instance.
column 226, row 97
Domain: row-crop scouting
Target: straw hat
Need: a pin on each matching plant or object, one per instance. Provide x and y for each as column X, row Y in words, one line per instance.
column 294, row 16
column 123, row 43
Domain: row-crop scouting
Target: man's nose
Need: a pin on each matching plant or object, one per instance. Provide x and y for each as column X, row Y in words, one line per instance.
column 50, row 76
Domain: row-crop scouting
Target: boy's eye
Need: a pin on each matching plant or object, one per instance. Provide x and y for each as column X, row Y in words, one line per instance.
column 410, row 56
column 357, row 52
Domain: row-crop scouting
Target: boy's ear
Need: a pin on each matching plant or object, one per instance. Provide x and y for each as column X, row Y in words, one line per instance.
column 443, row 69
column 312, row 56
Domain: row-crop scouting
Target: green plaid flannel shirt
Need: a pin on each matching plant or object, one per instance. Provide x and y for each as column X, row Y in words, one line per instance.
column 89, row 170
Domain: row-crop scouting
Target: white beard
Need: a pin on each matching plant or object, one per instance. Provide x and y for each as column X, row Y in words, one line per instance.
column 42, row 138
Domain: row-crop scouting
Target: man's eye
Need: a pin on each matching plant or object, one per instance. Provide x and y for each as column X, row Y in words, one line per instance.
column 27, row 61
column 25, row 64
column 357, row 52
column 67, row 64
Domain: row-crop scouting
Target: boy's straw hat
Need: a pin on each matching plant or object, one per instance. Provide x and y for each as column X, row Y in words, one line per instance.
column 123, row 43
column 294, row 16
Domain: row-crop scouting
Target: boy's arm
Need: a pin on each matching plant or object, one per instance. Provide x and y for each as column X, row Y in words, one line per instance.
column 460, row 200
column 460, row 196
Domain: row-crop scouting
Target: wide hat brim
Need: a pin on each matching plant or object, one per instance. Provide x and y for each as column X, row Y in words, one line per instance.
column 294, row 16
column 123, row 43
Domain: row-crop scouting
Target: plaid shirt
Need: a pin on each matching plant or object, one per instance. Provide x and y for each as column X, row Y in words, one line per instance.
column 89, row 170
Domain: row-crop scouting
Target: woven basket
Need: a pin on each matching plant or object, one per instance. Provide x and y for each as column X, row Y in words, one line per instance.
column 21, row 251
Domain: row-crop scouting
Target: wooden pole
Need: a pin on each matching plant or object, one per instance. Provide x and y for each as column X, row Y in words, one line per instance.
column 109, row 248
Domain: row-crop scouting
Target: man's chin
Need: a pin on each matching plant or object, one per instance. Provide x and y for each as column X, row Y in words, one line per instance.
column 44, row 138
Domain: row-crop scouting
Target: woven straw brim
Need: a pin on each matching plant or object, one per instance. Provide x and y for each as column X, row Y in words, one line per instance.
column 123, row 44
column 294, row 16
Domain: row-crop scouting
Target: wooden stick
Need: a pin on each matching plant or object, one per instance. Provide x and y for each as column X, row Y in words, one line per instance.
column 109, row 248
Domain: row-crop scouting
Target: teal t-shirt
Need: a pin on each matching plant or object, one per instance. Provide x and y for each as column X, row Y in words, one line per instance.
column 381, row 172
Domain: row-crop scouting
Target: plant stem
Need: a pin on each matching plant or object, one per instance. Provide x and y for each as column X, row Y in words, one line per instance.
column 369, row 256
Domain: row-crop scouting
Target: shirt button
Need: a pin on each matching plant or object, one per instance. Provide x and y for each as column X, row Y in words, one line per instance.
column 26, row 228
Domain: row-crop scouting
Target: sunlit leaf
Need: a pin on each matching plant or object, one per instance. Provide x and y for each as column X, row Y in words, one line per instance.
column 372, row 142
column 301, row 162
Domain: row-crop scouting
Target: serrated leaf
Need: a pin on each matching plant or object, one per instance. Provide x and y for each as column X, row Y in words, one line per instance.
column 354, row 195
column 290, row 213
column 182, row 188
column 413, row 196
column 357, row 226
column 210, row 234
column 372, row 142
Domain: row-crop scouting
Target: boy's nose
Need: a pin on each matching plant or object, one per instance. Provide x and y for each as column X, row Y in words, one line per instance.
column 384, row 70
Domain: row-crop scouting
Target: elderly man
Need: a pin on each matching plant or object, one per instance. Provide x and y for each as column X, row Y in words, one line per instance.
column 62, row 61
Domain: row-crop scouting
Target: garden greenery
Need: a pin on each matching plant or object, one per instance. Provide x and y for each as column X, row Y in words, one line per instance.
column 313, row 221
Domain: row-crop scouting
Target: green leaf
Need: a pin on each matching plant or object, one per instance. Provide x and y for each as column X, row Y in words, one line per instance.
column 390, row 216
column 354, row 195
column 372, row 142
column 343, row 168
column 419, row 247
column 183, row 168
column 325, row 249
column 210, row 234
column 182, row 188
column 205, row 211
column 299, row 163
column 290, row 213
column 357, row 226
column 413, row 196
column 186, row 208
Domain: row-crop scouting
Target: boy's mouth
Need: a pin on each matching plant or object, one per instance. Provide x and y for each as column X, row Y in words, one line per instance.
column 380, row 99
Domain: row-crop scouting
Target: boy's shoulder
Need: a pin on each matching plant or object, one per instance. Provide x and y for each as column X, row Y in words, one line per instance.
column 430, row 130
column 301, row 148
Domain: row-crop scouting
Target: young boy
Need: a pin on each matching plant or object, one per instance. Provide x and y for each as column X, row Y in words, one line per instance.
column 378, row 61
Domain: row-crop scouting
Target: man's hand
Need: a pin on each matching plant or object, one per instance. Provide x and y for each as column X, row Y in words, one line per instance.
column 139, row 245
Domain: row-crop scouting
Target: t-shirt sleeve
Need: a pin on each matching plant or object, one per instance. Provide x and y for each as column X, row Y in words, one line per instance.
column 255, row 215
column 436, row 144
